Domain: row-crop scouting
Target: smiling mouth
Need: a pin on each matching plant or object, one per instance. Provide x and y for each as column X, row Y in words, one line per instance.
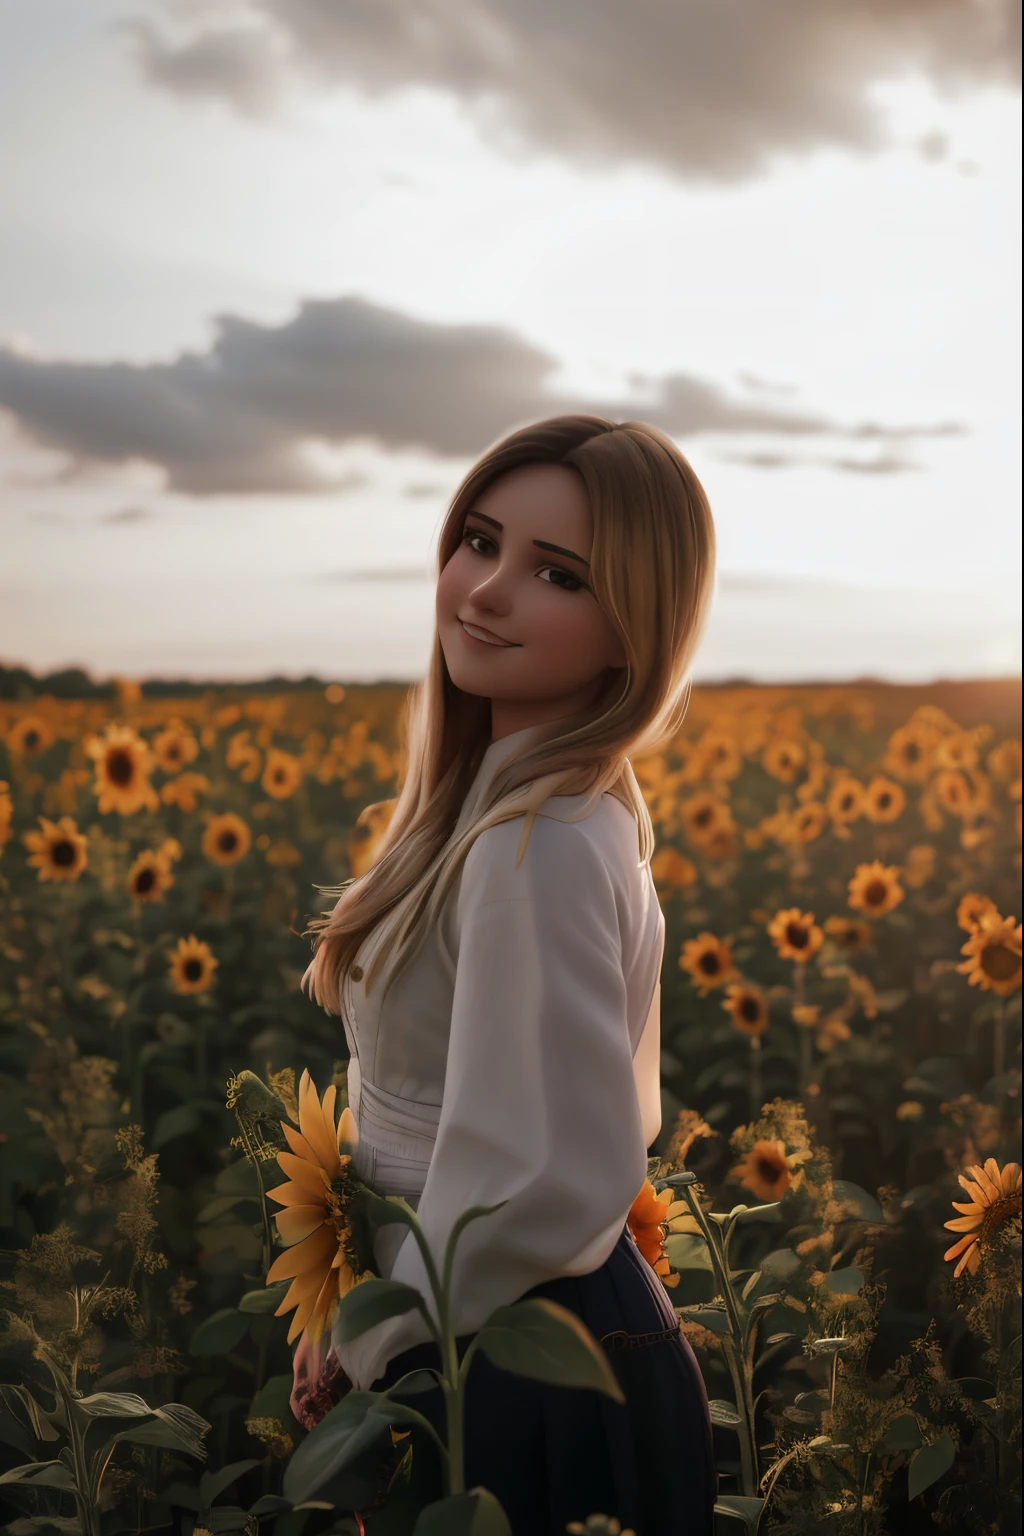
column 476, row 632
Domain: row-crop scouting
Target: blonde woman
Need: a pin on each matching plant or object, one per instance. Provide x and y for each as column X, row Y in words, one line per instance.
column 497, row 968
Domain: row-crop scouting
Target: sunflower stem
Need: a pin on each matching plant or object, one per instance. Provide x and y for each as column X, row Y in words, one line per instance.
column 755, row 1076
column 999, row 1040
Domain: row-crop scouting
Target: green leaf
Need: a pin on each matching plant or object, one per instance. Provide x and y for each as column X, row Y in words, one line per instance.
column 724, row 1413
column 370, row 1303
column 476, row 1513
column 219, row 1332
column 267, row 1300
column 845, row 1282
column 173, row 1427
column 685, row 1250
column 781, row 1264
column 182, row 1120
column 746, row 1214
column 338, row 1440
column 238, row 1178
column 213, row 1484
column 929, row 1464
column 271, row 1401
column 903, row 1434
column 22, row 1420
column 547, row 1342
column 219, row 1206
column 868, row 1208
column 472, row 1214
column 714, row 1318
column 739, row 1507
column 41, row 1474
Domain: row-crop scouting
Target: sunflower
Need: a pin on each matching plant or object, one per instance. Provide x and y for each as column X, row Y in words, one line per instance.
column 30, row 737
column 848, row 934
column 952, row 791
column 831, row 1028
column 364, row 841
column 175, row 747
column 747, row 1006
column 315, row 1223
column 809, row 821
column 282, row 774
column 783, row 758
column 1004, row 761
column 909, row 753
column 185, row 790
column 702, row 817
column 795, row 934
column 957, row 750
column 282, row 854
column 767, row 1170
column 972, row 909
column 59, row 851
column 6, row 811
column 845, row 800
column 150, row 876
column 227, row 839
column 995, row 1195
column 672, row 870
column 708, row 961
column 717, row 754
column 884, row 799
column 647, row 1218
column 123, row 762
column 192, row 966
column 874, row 889
column 994, row 956
column 241, row 754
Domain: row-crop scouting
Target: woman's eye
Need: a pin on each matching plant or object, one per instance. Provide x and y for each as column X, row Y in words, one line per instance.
column 576, row 583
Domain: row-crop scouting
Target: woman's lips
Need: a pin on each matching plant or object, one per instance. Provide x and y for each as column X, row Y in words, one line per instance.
column 484, row 636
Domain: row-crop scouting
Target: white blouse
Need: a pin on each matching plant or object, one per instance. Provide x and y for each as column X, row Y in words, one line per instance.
column 517, row 1059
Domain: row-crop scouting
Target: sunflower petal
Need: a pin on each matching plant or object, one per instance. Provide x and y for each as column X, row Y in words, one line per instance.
column 293, row 1194
column 311, row 1124
column 960, row 1246
column 309, row 1176
column 348, row 1130
column 318, row 1248
column 299, row 1145
column 327, row 1112
column 1010, row 1178
column 985, row 1183
column 297, row 1222
column 963, row 1224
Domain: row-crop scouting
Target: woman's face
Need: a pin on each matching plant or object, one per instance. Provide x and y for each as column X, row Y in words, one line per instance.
column 559, row 643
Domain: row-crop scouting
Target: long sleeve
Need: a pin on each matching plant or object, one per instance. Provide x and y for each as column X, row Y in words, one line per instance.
column 540, row 1106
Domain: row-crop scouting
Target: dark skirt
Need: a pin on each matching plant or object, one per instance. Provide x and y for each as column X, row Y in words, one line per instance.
column 553, row 1454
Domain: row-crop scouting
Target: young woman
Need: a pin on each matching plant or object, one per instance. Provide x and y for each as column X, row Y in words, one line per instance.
column 497, row 968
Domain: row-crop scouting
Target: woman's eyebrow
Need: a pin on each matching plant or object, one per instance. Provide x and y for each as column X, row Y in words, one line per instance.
column 540, row 543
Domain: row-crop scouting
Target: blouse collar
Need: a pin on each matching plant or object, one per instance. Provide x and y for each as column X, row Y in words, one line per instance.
column 497, row 755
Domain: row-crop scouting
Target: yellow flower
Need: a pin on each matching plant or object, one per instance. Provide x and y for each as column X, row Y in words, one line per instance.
column 972, row 909
column 994, row 956
column 646, row 1220
column 704, row 818
column 59, row 851
column 241, row 754
column 919, row 866
column 995, row 1197
column 845, row 800
column 30, row 737
column 783, row 759
column 957, row 750
column 747, row 1006
column 884, row 800
column 315, row 1219
column 6, row 811
column 123, row 762
column 150, row 876
column 371, row 824
column 910, row 1109
column 848, row 934
column 708, row 961
column 184, row 791
column 672, row 870
column 952, row 791
column 1004, row 761
column 806, row 1015
column 833, row 1027
column 874, row 889
column 809, row 821
column 192, row 966
column 283, row 853
column 910, row 750
column 227, row 839
column 795, row 934
column 175, row 747
column 767, row 1170
column 282, row 774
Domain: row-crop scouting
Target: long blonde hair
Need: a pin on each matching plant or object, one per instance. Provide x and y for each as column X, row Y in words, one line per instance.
column 652, row 569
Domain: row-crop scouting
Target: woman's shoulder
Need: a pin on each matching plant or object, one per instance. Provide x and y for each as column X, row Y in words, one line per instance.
column 560, row 852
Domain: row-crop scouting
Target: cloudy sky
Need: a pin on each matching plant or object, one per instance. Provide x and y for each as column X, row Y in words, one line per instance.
column 273, row 273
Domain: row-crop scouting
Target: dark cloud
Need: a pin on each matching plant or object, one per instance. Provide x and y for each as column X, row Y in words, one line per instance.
column 239, row 417
column 704, row 88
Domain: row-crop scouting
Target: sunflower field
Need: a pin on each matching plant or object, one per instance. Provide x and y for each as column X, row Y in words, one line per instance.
column 833, row 1203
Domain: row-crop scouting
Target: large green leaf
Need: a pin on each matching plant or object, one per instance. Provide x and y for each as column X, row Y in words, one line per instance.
column 868, row 1208
column 372, row 1302
column 220, row 1332
column 266, row 1300
column 172, row 1427
column 336, row 1442
column 476, row 1513
column 543, row 1340
column 685, row 1250
column 22, row 1420
column 213, row 1484
column 714, row 1318
column 903, row 1434
column 845, row 1282
column 929, row 1464
column 41, row 1474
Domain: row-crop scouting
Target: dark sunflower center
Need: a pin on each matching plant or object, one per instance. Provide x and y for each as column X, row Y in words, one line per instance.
column 884, row 800
column 769, row 1170
column 1001, row 1211
column 63, row 853
column 173, row 753
column 227, row 842
column 846, row 803
column 32, row 740
column 912, row 752
column 750, row 1010
column 193, row 970
column 702, row 817
column 709, row 963
column 875, row 893
column 1000, row 963
column 120, row 768
column 796, row 935
column 144, row 881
